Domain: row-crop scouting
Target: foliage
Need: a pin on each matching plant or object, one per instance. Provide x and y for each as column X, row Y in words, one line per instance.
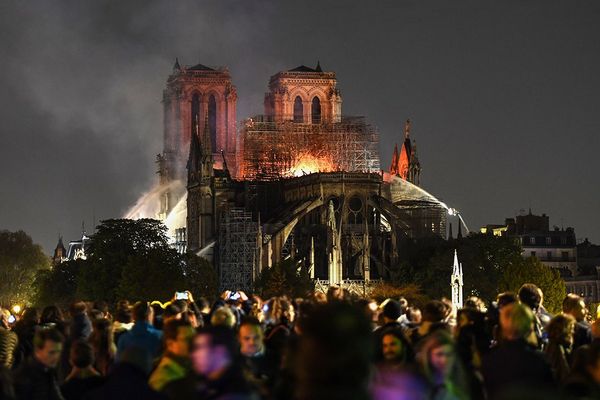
column 116, row 244
column 285, row 278
column 20, row 261
column 58, row 285
column 428, row 264
column 531, row 270
column 200, row 277
column 412, row 293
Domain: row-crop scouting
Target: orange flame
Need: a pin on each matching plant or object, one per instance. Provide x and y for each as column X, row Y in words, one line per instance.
column 308, row 164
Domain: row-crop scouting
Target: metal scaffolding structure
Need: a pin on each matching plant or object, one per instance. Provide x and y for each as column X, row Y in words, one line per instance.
column 237, row 249
column 271, row 150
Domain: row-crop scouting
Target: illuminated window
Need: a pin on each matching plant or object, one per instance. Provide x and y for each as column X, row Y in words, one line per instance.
column 298, row 110
column 532, row 240
column 563, row 240
column 548, row 240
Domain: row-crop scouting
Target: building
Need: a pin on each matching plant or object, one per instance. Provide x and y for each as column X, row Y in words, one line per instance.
column 586, row 286
column 555, row 247
column 302, row 181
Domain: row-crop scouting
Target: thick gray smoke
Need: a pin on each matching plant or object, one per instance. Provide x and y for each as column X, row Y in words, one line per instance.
column 503, row 96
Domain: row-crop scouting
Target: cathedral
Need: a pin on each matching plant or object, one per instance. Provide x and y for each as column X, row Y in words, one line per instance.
column 301, row 182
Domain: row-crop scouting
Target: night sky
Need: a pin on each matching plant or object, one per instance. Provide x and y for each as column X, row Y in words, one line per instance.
column 504, row 96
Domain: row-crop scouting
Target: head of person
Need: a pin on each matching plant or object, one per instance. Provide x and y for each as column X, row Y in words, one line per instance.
column 223, row 316
column 280, row 310
column 214, row 351
column 123, row 315
column 561, row 329
column 81, row 355
column 47, row 347
column 529, row 294
column 335, row 293
column 391, row 310
column 476, row 304
column 437, row 354
column 414, row 315
column 102, row 331
column 574, row 306
column 395, row 346
column 434, row 311
column 31, row 316
column 177, row 335
column 77, row 308
column 172, row 311
column 51, row 315
column 506, row 298
column 516, row 321
column 251, row 337
column 142, row 312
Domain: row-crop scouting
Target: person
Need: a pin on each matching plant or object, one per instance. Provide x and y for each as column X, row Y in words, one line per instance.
column 80, row 328
column 257, row 361
column 443, row 369
column 25, row 329
column 514, row 364
column 217, row 373
column 143, row 334
column 223, row 316
column 472, row 337
column 52, row 316
column 128, row 379
column 8, row 342
column 36, row 377
column 396, row 351
column 434, row 313
column 391, row 310
column 279, row 319
column 123, row 320
column 574, row 306
column 531, row 295
column 584, row 379
column 83, row 376
column 174, row 364
column 560, row 339
column 102, row 341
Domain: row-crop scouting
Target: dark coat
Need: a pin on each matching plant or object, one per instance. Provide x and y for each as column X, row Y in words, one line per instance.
column 515, row 365
column 125, row 382
column 76, row 388
column 231, row 386
column 34, row 381
column 582, row 335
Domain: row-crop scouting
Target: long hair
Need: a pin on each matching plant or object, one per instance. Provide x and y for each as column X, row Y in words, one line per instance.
column 102, row 340
column 456, row 380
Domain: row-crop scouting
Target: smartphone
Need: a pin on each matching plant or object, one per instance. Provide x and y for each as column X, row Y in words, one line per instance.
column 181, row 296
column 235, row 296
column 11, row 319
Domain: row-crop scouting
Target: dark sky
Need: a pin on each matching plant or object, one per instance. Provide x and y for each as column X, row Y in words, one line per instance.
column 504, row 96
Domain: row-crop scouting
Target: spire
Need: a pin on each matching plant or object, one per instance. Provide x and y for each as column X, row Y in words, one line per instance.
column 455, row 265
column 407, row 128
column 176, row 66
column 318, row 69
column 456, row 282
column 394, row 166
column 225, row 168
column 194, row 148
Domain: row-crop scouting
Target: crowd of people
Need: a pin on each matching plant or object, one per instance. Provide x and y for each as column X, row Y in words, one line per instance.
column 325, row 346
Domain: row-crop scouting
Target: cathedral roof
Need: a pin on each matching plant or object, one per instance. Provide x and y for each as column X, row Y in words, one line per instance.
column 200, row 67
column 303, row 68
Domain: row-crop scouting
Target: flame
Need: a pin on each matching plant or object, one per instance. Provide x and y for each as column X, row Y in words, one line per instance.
column 308, row 164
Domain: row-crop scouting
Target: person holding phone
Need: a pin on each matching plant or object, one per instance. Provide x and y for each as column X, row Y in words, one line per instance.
column 8, row 341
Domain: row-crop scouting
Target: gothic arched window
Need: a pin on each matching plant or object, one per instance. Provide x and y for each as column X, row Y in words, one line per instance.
column 195, row 111
column 298, row 110
column 212, row 122
column 316, row 110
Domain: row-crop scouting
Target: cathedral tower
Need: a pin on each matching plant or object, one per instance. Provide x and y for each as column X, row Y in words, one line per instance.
column 304, row 95
column 195, row 93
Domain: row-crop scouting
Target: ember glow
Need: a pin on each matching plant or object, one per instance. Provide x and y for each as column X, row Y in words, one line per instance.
column 308, row 164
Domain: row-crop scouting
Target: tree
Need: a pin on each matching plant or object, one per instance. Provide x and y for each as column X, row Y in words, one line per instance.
column 58, row 285
column 154, row 275
column 531, row 270
column 284, row 279
column 412, row 293
column 200, row 277
column 112, row 246
column 20, row 261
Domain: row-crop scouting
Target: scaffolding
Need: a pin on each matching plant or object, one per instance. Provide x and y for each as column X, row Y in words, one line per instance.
column 237, row 249
column 273, row 150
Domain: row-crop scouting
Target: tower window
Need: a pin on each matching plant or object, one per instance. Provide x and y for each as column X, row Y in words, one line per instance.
column 298, row 110
column 316, row 110
column 212, row 122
